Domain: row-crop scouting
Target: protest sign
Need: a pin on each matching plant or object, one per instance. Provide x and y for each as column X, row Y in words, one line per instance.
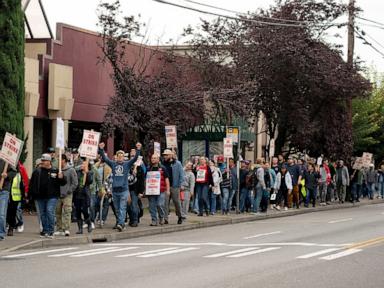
column 359, row 163
column 228, row 148
column 171, row 136
column 60, row 134
column 90, row 144
column 233, row 133
column 367, row 159
column 11, row 149
column 156, row 148
column 152, row 183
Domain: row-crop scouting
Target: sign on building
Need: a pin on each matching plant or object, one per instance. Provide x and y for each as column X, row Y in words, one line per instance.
column 11, row 149
column 228, row 148
column 171, row 136
column 152, row 183
column 90, row 144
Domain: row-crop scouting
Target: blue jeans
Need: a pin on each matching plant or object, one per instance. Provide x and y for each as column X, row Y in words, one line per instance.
column 371, row 190
column 224, row 199
column 19, row 215
column 156, row 205
column 133, row 208
column 212, row 202
column 202, row 192
column 243, row 198
column 381, row 189
column 258, row 197
column 120, row 202
column 92, row 207
column 195, row 204
column 231, row 195
column 47, row 209
column 4, row 197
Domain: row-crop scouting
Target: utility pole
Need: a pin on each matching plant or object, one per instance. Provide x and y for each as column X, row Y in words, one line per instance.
column 351, row 48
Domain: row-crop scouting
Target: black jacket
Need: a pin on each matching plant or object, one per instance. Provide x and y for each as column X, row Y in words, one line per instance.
column 45, row 184
column 11, row 174
column 83, row 191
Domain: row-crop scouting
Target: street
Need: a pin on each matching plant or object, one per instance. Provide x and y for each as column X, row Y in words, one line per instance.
column 338, row 248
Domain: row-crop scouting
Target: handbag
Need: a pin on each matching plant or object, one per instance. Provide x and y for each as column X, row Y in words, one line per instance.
column 273, row 196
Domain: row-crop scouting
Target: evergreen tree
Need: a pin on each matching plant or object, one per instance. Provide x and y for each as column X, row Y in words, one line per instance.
column 11, row 68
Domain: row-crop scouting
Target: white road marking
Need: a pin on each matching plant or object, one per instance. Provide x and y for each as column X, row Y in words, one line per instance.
column 340, row 220
column 146, row 252
column 230, row 252
column 103, row 252
column 318, row 253
column 341, row 254
column 168, row 252
column 253, row 252
column 82, row 252
column 261, row 235
column 224, row 244
column 39, row 252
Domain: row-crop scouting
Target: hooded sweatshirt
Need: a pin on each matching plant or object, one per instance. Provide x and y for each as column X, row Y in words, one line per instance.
column 72, row 181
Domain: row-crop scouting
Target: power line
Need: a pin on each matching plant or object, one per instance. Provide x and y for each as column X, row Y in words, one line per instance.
column 368, row 43
column 373, row 39
column 240, row 19
column 245, row 14
column 368, row 20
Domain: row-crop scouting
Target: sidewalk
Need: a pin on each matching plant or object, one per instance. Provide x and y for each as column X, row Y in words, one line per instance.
column 30, row 239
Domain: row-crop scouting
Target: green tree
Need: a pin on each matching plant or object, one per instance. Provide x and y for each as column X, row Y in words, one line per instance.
column 11, row 68
column 368, row 122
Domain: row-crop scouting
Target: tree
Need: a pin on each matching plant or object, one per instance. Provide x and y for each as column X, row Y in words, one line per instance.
column 11, row 68
column 294, row 77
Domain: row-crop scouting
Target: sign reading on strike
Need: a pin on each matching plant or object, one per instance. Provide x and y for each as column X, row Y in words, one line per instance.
column 228, row 148
column 359, row 163
column 90, row 144
column 60, row 134
column 11, row 149
column 233, row 133
column 156, row 148
column 171, row 136
column 152, row 183
column 367, row 159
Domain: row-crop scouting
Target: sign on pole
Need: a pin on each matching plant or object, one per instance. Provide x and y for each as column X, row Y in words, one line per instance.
column 60, row 134
column 11, row 149
column 152, row 183
column 90, row 144
column 156, row 148
column 359, row 163
column 271, row 148
column 228, row 148
column 367, row 159
column 233, row 133
column 171, row 136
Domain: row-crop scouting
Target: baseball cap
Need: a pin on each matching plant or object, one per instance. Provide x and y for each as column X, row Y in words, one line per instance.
column 51, row 150
column 46, row 157
column 220, row 158
column 167, row 152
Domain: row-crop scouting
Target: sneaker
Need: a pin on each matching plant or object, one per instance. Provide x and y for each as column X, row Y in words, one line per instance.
column 67, row 233
column 153, row 224
column 180, row 221
column 161, row 222
column 166, row 221
column 59, row 233
column 119, row 228
column 98, row 222
column 93, row 225
column 285, row 208
column 49, row 235
column 85, row 225
column 42, row 234
column 10, row 232
column 20, row 228
column 133, row 224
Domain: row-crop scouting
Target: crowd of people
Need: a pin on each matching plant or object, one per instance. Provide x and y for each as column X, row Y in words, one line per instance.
column 71, row 188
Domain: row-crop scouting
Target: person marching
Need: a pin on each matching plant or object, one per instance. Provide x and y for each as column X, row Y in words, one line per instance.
column 120, row 188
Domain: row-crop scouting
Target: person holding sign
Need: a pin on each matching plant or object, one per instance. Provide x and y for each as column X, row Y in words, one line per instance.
column 157, row 185
column 7, row 176
column 204, row 179
column 44, row 187
column 120, row 188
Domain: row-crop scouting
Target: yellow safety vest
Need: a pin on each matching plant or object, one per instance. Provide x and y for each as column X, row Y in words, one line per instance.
column 15, row 190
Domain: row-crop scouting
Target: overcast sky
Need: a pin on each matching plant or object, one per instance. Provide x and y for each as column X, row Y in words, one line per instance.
column 167, row 22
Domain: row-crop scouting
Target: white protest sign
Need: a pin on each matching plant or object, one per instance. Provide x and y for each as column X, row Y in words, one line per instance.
column 271, row 148
column 171, row 136
column 359, row 163
column 228, row 148
column 11, row 149
column 156, row 148
column 90, row 144
column 60, row 134
column 367, row 159
column 152, row 183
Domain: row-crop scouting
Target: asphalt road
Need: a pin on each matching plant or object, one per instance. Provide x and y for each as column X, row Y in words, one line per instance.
column 338, row 248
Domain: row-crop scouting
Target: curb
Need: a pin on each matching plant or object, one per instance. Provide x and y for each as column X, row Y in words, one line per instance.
column 115, row 236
